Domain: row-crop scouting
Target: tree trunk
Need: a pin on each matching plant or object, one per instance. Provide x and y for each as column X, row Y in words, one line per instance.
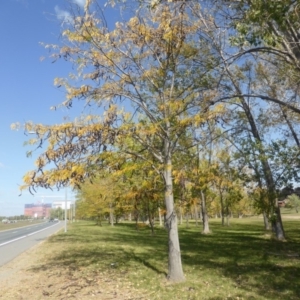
column 175, row 271
column 227, row 220
column 290, row 126
column 151, row 227
column 275, row 215
column 277, row 223
column 227, row 215
column 275, row 210
column 266, row 221
column 222, row 209
column 150, row 219
column 151, row 224
column 181, row 216
column 111, row 215
column 196, row 214
column 201, row 214
column 98, row 220
column 204, row 215
column 187, row 220
column 160, row 217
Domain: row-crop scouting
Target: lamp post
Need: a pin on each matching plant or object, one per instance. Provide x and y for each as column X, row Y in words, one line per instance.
column 74, row 210
column 66, row 209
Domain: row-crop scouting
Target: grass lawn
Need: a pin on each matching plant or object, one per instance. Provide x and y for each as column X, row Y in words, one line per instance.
column 236, row 262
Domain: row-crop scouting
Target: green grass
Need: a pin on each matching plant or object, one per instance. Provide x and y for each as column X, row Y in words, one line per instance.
column 289, row 212
column 236, row 262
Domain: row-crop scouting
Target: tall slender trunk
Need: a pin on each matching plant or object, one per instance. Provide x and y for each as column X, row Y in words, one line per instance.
column 275, row 210
column 160, row 217
column 111, row 215
column 187, row 220
column 228, row 220
column 175, row 272
column 290, row 126
column 204, row 215
column 222, row 208
column 98, row 222
column 181, row 216
column 196, row 213
column 227, row 214
column 150, row 218
column 273, row 203
column 277, row 222
column 201, row 212
column 266, row 221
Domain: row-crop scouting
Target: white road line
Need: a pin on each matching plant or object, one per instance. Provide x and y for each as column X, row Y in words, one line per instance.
column 24, row 236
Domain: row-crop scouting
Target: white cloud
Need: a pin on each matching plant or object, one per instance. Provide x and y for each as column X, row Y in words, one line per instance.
column 63, row 15
column 81, row 3
column 1, row 165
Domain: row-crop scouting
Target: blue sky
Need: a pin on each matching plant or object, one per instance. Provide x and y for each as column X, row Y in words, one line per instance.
column 27, row 90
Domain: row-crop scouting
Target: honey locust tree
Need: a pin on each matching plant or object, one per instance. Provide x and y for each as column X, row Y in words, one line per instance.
column 268, row 30
column 141, row 186
column 222, row 179
column 142, row 71
column 268, row 26
column 99, row 201
column 256, row 30
column 92, row 203
column 276, row 82
column 146, row 193
column 248, row 111
column 293, row 201
column 203, row 173
column 192, row 175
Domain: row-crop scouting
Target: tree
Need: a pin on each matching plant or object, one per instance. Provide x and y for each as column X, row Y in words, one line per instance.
column 270, row 26
column 247, row 118
column 150, row 64
column 56, row 213
column 95, row 200
column 293, row 202
column 226, row 183
column 267, row 29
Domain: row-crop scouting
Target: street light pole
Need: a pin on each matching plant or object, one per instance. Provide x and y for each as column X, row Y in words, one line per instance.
column 66, row 209
column 74, row 209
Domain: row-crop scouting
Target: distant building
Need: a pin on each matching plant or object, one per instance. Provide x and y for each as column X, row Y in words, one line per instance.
column 281, row 203
column 61, row 204
column 39, row 210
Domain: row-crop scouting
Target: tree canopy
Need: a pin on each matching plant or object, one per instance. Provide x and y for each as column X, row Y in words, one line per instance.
column 191, row 103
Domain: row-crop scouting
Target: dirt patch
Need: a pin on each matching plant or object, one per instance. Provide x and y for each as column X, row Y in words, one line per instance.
column 33, row 276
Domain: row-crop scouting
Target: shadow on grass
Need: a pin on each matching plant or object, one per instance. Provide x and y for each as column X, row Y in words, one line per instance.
column 241, row 253
column 105, row 247
column 244, row 255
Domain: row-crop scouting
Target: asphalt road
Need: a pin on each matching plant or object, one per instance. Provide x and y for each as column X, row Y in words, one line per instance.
column 15, row 241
